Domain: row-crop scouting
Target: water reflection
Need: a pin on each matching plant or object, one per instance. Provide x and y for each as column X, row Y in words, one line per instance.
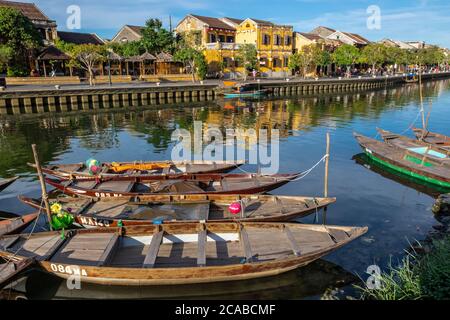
column 54, row 133
column 312, row 280
column 408, row 181
column 396, row 213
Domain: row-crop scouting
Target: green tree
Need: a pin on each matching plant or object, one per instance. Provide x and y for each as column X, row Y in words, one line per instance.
column 247, row 57
column 155, row 38
column 303, row 59
column 373, row 54
column 19, row 35
column 127, row 49
column 322, row 58
column 346, row 55
column 5, row 56
column 84, row 56
column 397, row 56
column 194, row 60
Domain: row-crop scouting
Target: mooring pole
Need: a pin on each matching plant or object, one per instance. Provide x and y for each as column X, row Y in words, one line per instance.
column 43, row 188
column 327, row 167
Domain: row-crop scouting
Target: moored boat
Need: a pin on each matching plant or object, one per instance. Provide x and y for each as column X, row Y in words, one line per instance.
column 176, row 254
column 437, row 139
column 247, row 90
column 5, row 183
column 183, row 184
column 112, row 212
column 139, row 168
column 424, row 168
column 15, row 225
column 416, row 146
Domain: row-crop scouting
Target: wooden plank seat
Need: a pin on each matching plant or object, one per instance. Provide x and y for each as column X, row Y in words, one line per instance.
column 116, row 186
column 152, row 253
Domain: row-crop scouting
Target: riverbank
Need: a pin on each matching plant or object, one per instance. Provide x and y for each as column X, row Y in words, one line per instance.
column 41, row 99
column 423, row 274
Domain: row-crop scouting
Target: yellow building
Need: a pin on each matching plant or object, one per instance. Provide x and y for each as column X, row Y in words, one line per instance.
column 273, row 42
column 220, row 39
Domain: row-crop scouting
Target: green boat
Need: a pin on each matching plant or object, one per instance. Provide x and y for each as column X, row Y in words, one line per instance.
column 246, row 90
column 423, row 167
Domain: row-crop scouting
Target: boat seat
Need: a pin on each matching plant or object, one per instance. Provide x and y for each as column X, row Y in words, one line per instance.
column 116, row 186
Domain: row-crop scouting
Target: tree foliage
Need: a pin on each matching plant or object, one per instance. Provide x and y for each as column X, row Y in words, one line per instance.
column 155, row 38
column 194, row 60
column 5, row 56
column 346, row 55
column 373, row 54
column 247, row 57
column 19, row 35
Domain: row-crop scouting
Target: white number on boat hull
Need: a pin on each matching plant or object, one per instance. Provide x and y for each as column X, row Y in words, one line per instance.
column 107, row 195
column 95, row 222
column 71, row 270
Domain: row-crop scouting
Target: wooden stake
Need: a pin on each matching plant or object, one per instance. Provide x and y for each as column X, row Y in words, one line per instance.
column 44, row 189
column 421, row 98
column 327, row 166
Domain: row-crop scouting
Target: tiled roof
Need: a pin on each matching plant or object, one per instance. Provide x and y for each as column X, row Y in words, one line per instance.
column 29, row 10
column 234, row 20
column 357, row 37
column 311, row 36
column 79, row 38
column 137, row 29
column 53, row 53
column 213, row 22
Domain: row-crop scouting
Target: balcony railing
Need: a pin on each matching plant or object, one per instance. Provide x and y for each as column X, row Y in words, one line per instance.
column 222, row 46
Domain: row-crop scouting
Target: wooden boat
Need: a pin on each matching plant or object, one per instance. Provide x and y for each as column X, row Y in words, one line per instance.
column 150, row 169
column 185, row 184
column 424, row 168
column 16, row 225
column 11, row 269
column 5, row 183
column 417, row 147
column 109, row 212
column 437, row 139
column 246, row 90
column 175, row 254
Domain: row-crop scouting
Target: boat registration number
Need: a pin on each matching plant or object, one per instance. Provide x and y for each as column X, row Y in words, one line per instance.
column 95, row 222
column 107, row 195
column 71, row 270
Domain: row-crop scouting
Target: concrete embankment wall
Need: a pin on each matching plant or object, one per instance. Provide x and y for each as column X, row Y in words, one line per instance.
column 63, row 100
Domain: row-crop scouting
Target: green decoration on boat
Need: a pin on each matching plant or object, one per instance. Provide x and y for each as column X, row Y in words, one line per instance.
column 61, row 219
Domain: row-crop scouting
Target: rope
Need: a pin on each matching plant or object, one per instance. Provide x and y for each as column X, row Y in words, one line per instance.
column 415, row 120
column 27, row 238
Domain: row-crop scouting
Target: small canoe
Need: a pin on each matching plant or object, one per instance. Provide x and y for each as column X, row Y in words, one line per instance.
column 246, row 94
column 143, row 169
column 417, row 147
column 16, row 225
column 423, row 168
column 437, row 139
column 109, row 212
column 185, row 184
column 175, row 254
column 5, row 183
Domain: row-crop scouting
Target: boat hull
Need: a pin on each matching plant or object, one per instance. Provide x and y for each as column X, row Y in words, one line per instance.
column 395, row 165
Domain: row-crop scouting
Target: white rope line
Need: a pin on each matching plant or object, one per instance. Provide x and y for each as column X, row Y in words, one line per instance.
column 415, row 120
column 300, row 175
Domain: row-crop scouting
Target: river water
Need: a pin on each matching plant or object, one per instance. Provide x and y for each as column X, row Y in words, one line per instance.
column 396, row 209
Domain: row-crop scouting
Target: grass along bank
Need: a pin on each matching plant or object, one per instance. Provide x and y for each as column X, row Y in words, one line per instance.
column 424, row 275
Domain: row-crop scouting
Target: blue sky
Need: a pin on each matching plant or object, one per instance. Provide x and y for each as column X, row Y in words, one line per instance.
column 427, row 20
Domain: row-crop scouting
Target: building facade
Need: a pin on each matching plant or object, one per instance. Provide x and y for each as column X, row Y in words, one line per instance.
column 44, row 25
column 128, row 33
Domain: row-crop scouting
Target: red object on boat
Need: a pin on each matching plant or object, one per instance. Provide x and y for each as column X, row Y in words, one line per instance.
column 235, row 208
